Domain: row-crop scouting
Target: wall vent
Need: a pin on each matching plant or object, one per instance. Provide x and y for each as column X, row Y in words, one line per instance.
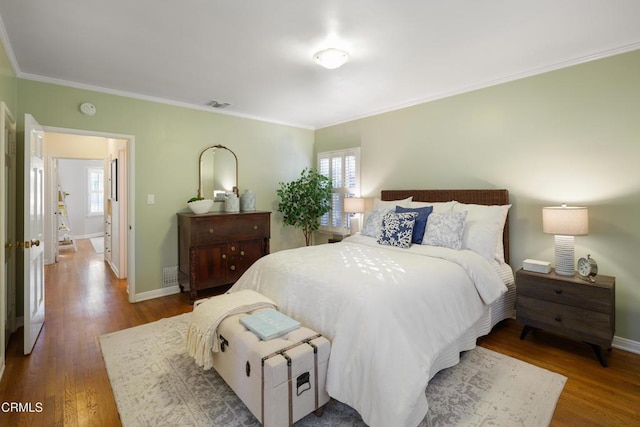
column 217, row 104
column 170, row 276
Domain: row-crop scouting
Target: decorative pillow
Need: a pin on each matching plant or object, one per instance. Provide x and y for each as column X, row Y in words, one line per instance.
column 484, row 228
column 438, row 207
column 445, row 229
column 397, row 229
column 421, row 221
column 390, row 204
column 373, row 223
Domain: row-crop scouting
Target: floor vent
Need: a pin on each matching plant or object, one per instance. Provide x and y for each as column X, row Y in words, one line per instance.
column 170, row 276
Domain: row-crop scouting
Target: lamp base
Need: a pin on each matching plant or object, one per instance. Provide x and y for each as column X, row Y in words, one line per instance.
column 565, row 256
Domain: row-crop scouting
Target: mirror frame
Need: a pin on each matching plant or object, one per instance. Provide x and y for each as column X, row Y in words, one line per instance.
column 213, row 147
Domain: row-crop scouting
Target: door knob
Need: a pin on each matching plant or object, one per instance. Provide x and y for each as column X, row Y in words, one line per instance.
column 35, row 242
column 8, row 245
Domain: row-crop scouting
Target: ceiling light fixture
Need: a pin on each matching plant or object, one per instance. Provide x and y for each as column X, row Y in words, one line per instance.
column 331, row 58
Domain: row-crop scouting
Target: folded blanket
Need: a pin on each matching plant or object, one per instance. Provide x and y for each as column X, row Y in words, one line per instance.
column 202, row 338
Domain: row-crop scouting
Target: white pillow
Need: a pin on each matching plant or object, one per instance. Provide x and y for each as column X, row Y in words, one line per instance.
column 438, row 207
column 390, row 204
column 445, row 229
column 483, row 229
column 373, row 223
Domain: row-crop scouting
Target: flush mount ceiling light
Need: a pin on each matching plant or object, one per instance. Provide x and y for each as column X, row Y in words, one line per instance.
column 331, row 58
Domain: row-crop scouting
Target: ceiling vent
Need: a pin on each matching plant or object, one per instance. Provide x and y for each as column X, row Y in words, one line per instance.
column 217, row 104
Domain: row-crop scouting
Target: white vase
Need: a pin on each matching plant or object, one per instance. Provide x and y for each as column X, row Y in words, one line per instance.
column 231, row 203
column 248, row 201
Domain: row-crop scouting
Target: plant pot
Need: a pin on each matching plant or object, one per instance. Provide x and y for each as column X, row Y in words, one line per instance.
column 200, row 206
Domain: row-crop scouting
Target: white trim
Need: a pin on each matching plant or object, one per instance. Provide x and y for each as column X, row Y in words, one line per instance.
column 4, row 37
column 626, row 345
column 156, row 293
column 87, row 236
column 100, row 89
column 489, row 83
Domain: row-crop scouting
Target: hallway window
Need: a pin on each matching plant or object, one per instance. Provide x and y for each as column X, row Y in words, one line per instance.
column 95, row 194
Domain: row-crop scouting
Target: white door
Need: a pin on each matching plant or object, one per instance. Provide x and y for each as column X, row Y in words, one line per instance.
column 33, row 231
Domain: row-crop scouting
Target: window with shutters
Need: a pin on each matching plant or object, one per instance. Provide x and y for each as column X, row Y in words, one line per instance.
column 343, row 167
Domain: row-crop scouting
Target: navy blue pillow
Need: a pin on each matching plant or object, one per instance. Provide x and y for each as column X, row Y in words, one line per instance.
column 421, row 221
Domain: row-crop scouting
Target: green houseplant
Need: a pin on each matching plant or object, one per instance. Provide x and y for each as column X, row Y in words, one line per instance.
column 304, row 201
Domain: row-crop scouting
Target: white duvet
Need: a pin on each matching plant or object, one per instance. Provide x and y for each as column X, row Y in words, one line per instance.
column 387, row 311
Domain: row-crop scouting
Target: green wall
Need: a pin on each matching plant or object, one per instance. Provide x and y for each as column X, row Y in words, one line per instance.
column 168, row 141
column 571, row 135
column 8, row 82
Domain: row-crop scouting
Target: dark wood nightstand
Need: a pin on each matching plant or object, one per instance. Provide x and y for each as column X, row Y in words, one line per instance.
column 568, row 306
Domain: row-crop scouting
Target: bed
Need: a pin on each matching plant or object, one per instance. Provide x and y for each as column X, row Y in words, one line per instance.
column 397, row 315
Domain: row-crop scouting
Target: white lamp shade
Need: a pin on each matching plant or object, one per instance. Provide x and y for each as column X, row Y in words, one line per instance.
column 565, row 220
column 354, row 205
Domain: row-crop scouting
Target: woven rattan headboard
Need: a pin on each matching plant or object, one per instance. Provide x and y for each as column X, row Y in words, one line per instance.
column 479, row 197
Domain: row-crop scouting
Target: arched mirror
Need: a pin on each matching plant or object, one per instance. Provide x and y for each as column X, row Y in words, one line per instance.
column 218, row 172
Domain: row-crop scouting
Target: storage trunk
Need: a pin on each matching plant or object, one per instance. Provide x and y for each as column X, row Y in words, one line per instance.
column 280, row 380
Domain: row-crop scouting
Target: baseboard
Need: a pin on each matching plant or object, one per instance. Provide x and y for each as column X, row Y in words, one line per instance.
column 87, row 236
column 157, row 293
column 626, row 345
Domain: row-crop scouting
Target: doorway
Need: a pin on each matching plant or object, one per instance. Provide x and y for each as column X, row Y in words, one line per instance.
column 67, row 145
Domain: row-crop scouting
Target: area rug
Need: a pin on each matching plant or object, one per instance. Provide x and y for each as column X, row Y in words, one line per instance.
column 98, row 244
column 155, row 383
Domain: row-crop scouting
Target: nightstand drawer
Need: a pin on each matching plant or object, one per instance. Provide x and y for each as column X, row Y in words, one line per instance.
column 585, row 325
column 585, row 295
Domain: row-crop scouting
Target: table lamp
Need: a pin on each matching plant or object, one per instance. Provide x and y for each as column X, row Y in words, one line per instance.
column 355, row 205
column 565, row 222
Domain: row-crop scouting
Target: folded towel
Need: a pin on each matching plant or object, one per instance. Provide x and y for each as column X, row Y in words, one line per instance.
column 202, row 338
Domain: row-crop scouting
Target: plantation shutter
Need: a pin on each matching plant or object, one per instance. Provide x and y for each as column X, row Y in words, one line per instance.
column 343, row 168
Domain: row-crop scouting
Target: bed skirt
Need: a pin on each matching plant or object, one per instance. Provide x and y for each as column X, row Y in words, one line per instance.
column 503, row 308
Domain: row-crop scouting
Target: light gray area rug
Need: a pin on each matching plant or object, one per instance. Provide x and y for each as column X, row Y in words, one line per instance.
column 98, row 244
column 155, row 383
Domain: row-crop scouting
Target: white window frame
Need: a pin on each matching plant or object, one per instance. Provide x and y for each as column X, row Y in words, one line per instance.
column 329, row 221
column 90, row 191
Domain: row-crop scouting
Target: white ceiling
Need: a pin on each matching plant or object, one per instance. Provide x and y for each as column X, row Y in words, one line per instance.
column 257, row 54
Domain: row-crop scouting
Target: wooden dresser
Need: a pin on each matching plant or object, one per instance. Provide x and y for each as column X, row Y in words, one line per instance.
column 214, row 249
column 568, row 306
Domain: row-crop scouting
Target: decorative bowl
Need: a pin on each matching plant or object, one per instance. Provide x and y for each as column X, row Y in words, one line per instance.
column 200, row 206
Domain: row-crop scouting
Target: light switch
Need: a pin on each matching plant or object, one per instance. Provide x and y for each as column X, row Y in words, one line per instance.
column 151, row 199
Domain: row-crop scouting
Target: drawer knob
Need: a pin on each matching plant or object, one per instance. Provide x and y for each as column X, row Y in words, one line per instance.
column 233, row 267
column 233, row 248
column 558, row 319
column 241, row 253
column 558, row 291
column 255, row 227
column 211, row 231
column 224, row 256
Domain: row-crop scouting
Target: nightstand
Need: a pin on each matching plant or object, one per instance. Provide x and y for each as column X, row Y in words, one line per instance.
column 568, row 306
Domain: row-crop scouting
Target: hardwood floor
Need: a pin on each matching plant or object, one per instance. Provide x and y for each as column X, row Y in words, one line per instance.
column 66, row 372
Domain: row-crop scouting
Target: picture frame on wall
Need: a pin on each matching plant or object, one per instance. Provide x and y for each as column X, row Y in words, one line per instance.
column 114, row 180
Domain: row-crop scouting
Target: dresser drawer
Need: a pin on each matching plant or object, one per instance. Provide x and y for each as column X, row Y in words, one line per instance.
column 586, row 325
column 222, row 229
column 581, row 294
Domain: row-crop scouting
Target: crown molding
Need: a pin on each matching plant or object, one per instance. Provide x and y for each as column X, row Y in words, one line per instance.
column 494, row 82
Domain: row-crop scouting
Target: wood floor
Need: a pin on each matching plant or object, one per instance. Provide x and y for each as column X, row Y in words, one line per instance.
column 66, row 373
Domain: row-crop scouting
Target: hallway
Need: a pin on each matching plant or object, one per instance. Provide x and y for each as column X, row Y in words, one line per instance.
column 65, row 375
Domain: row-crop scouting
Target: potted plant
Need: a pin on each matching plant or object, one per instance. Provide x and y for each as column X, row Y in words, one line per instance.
column 304, row 201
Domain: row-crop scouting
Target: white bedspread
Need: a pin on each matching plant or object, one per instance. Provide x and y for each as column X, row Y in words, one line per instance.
column 387, row 311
